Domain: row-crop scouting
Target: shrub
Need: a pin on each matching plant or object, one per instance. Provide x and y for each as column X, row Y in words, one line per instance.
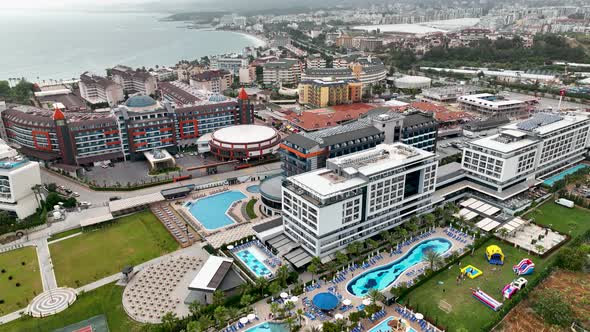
column 23, row 263
column 18, row 284
column 9, row 277
column 1, row 301
column 3, row 271
column 549, row 304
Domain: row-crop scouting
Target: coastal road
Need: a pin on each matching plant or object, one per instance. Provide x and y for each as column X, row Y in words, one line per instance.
column 101, row 197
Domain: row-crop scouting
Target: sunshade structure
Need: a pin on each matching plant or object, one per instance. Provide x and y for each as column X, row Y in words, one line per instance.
column 325, row 301
column 487, row 224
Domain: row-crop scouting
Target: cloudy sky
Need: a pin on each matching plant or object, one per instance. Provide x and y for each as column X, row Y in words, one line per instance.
column 64, row 4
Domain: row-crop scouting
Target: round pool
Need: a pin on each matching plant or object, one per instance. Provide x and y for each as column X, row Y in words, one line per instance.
column 254, row 189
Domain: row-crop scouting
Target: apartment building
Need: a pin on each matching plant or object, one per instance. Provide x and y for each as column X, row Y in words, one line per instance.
column 18, row 176
column 327, row 92
column 134, row 81
column 357, row 196
column 492, row 105
column 231, row 64
column 215, row 81
column 528, row 150
column 282, row 72
column 100, row 90
column 315, row 61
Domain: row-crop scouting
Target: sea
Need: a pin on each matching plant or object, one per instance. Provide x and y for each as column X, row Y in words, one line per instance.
column 44, row 46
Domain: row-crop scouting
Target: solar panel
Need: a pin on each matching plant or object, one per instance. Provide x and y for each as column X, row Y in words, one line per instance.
column 538, row 120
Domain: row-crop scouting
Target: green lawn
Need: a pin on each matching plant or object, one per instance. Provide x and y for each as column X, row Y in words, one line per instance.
column 105, row 251
column 250, row 209
column 568, row 221
column 104, row 300
column 467, row 312
column 27, row 276
column 64, row 234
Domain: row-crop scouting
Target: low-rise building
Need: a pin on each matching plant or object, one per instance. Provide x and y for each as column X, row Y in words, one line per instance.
column 134, row 81
column 492, row 105
column 100, row 90
column 315, row 61
column 215, row 81
column 357, row 196
column 231, row 64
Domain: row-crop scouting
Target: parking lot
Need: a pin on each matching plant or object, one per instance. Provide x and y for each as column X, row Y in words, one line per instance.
column 137, row 172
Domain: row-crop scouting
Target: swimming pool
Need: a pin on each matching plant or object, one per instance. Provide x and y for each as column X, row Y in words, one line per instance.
column 382, row 327
column 253, row 263
column 550, row 181
column 253, row 189
column 269, row 327
column 211, row 211
column 383, row 276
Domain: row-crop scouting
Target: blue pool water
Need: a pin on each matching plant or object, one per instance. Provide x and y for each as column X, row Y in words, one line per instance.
column 269, row 327
column 382, row 327
column 253, row 263
column 550, row 181
column 383, row 276
column 211, row 210
column 254, row 189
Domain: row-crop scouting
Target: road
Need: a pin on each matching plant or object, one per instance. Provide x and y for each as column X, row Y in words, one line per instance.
column 100, row 197
column 544, row 103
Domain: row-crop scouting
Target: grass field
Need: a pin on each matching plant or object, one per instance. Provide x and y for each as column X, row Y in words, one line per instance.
column 105, row 251
column 104, row 300
column 250, row 209
column 565, row 220
column 64, row 234
column 27, row 276
column 467, row 312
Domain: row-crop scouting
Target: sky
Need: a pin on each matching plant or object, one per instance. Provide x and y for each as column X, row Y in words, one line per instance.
column 61, row 4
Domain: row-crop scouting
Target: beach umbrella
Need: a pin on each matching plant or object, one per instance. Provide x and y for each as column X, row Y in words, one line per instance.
column 366, row 301
column 339, row 316
column 284, row 295
column 419, row 316
column 294, row 299
column 251, row 317
column 346, row 302
column 244, row 320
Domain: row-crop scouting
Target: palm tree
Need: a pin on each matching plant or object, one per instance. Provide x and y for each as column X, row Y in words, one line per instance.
column 220, row 315
column 274, row 308
column 471, row 247
column 539, row 248
column 433, row 258
column 300, row 313
column 218, row 297
column 372, row 244
column 353, row 248
column 245, row 288
column 430, row 219
column 261, row 284
column 232, row 313
column 341, row 258
column 375, row 295
column 205, row 321
column 169, row 321
column 195, row 308
column 283, row 274
column 313, row 269
column 290, row 322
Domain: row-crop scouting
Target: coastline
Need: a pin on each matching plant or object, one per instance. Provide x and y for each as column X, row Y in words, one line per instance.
column 258, row 40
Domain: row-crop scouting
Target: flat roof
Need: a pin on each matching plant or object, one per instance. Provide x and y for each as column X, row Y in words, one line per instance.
column 211, row 274
column 128, row 203
column 491, row 142
column 244, row 134
column 544, row 123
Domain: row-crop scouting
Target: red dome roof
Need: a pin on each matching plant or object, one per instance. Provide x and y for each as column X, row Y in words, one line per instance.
column 58, row 114
column 243, row 95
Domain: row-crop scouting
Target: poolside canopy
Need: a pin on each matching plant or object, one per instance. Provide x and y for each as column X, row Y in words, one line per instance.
column 325, row 301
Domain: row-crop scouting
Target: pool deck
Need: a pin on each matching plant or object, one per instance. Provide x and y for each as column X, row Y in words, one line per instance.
column 263, row 309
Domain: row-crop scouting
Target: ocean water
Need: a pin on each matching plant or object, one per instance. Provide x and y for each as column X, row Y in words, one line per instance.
column 50, row 45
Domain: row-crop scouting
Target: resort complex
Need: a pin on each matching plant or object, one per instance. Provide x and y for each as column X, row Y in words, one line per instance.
column 374, row 167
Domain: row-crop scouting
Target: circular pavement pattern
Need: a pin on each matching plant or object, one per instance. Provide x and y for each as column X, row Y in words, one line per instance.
column 51, row 302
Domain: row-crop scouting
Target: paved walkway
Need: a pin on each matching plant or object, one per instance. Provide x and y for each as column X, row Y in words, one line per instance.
column 45, row 265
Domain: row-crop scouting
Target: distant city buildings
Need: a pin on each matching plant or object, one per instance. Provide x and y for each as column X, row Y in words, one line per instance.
column 231, row 64
column 100, row 90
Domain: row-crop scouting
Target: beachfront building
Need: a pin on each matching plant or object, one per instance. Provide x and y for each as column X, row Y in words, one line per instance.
column 327, row 92
column 97, row 90
column 492, row 105
column 527, row 150
column 215, row 81
column 134, row 81
column 357, row 196
column 367, row 70
column 282, row 72
column 229, row 63
column 18, row 176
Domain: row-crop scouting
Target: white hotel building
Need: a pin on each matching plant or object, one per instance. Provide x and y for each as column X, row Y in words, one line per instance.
column 525, row 151
column 17, row 176
column 357, row 196
column 492, row 105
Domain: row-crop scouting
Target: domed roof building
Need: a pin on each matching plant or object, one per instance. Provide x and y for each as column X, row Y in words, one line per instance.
column 142, row 103
column 217, row 98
